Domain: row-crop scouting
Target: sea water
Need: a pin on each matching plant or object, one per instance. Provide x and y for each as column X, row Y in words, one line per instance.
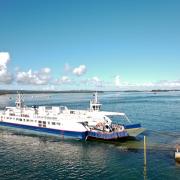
column 25, row 155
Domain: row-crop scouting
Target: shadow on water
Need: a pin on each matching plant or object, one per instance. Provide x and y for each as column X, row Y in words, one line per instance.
column 68, row 151
column 54, row 151
column 156, row 140
column 125, row 144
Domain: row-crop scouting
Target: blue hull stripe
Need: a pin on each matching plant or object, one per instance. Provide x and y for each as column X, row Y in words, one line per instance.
column 132, row 126
column 65, row 134
column 108, row 136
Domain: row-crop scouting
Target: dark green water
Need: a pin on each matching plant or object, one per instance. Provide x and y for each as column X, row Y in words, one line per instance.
column 24, row 155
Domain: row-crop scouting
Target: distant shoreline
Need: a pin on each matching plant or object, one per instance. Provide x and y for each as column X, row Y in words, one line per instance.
column 4, row 92
column 154, row 90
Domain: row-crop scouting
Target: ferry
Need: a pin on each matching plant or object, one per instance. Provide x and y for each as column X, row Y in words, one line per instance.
column 91, row 124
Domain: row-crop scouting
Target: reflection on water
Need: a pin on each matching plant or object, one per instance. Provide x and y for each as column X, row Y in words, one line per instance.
column 25, row 155
column 52, row 157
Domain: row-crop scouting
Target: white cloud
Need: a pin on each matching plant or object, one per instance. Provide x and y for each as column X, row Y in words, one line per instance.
column 79, row 70
column 5, row 76
column 95, row 79
column 170, row 84
column 41, row 77
column 117, row 81
column 65, row 79
column 46, row 70
column 147, row 84
column 4, row 58
column 151, row 85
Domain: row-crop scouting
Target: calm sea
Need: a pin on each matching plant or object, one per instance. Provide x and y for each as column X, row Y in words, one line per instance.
column 24, row 155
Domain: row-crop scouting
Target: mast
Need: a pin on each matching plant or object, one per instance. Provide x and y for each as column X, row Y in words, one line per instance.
column 19, row 101
column 95, row 97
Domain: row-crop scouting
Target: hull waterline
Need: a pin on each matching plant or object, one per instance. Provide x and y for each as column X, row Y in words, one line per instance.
column 56, row 132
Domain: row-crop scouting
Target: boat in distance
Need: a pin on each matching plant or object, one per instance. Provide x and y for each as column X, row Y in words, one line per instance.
column 69, row 123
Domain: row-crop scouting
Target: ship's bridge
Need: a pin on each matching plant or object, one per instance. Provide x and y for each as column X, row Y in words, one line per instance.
column 94, row 104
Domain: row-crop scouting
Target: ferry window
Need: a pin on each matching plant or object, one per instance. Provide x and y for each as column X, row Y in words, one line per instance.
column 27, row 120
column 59, row 124
column 48, row 122
column 72, row 112
column 53, row 123
column 39, row 121
column 35, row 120
column 7, row 117
column 44, row 122
column 20, row 119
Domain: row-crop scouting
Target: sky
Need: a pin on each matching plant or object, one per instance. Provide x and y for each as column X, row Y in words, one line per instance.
column 89, row 44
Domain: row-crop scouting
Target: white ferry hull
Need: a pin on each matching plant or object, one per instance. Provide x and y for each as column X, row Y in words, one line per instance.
column 57, row 132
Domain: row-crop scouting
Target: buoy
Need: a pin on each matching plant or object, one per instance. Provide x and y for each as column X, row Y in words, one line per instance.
column 177, row 154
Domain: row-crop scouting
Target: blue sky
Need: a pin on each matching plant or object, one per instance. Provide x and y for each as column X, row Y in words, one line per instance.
column 89, row 44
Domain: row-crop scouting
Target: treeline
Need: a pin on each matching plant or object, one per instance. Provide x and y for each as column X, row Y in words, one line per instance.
column 164, row 90
column 3, row 92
